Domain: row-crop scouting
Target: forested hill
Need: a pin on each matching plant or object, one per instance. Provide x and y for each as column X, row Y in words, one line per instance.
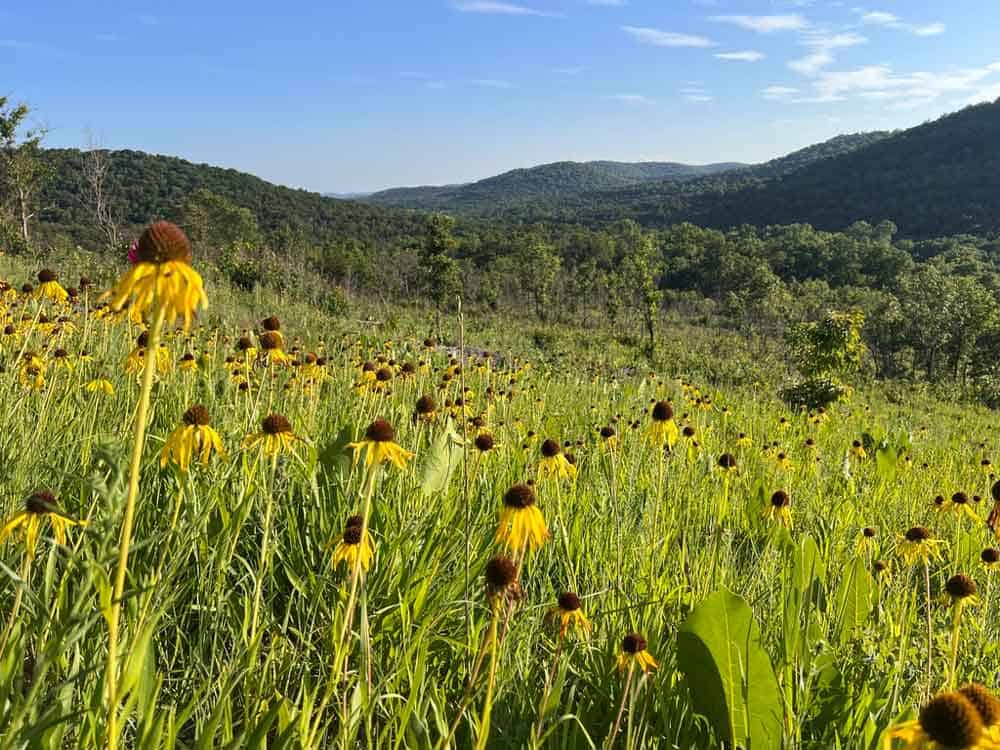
column 146, row 186
column 547, row 181
column 561, row 188
column 936, row 179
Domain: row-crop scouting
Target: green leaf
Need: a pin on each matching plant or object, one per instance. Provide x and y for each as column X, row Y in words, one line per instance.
column 854, row 599
column 444, row 455
column 729, row 674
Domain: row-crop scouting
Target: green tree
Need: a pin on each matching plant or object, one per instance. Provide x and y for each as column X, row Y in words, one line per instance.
column 213, row 221
column 824, row 351
column 23, row 171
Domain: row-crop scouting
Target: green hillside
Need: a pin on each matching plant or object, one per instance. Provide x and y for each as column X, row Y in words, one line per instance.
column 547, row 181
column 146, row 186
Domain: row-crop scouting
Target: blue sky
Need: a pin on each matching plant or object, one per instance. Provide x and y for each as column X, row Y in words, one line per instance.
column 345, row 95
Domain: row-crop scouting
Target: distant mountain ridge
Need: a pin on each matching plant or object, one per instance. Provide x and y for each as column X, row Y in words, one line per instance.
column 548, row 181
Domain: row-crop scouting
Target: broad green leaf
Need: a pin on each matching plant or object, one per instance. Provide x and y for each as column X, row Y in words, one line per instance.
column 854, row 599
column 442, row 458
column 729, row 673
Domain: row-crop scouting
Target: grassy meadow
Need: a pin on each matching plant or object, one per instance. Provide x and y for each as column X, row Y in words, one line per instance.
column 726, row 589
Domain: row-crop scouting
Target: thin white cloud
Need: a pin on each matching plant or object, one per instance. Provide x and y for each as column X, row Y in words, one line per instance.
column 631, row 98
column 778, row 92
column 492, row 83
column 765, row 24
column 698, row 97
column 436, row 85
column 569, row 71
column 608, row 3
column 892, row 21
column 414, row 75
column 931, row 29
column 880, row 83
column 658, row 38
column 107, row 37
column 880, row 17
column 499, row 8
column 823, row 46
column 745, row 56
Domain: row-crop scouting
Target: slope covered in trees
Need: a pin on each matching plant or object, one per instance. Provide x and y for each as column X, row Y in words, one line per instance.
column 145, row 186
column 939, row 178
column 547, row 181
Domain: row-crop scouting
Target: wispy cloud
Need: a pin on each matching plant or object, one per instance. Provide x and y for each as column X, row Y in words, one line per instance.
column 658, row 38
column 630, row 98
column 608, row 3
column 823, row 46
column 413, row 74
column 765, row 24
column 776, row 93
column 492, row 83
column 569, row 71
column 695, row 93
column 436, row 85
column 880, row 83
column 147, row 19
column 745, row 56
column 892, row 21
column 107, row 37
column 499, row 8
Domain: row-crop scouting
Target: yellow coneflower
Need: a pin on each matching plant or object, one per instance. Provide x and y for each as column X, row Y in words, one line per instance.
column 379, row 446
column 662, row 430
column 99, row 385
column 521, row 522
column 136, row 360
column 188, row 363
column 162, row 275
column 866, row 541
column 959, row 503
column 61, row 359
column 987, row 705
column 917, row 545
column 554, row 463
column 275, row 437
column 783, row 461
column 634, row 651
column 272, row 325
column 352, row 548
column 962, row 590
column 989, row 557
column 858, row 450
column 425, row 409
column 41, row 505
column 49, row 287
column 609, row 438
column 195, row 437
column 950, row 721
column 881, row 571
column 744, row 441
column 32, row 372
column 484, row 442
column 245, row 346
column 271, row 349
column 993, row 520
column 568, row 614
column 727, row 463
column 780, row 508
column 501, row 580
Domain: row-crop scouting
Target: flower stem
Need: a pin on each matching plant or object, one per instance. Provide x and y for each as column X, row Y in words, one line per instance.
column 484, row 721
column 621, row 708
column 955, row 630
column 125, row 541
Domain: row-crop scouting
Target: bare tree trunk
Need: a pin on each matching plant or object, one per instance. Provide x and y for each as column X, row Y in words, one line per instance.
column 96, row 167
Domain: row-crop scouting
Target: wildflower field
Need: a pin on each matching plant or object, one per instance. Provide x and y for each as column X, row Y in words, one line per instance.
column 292, row 531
